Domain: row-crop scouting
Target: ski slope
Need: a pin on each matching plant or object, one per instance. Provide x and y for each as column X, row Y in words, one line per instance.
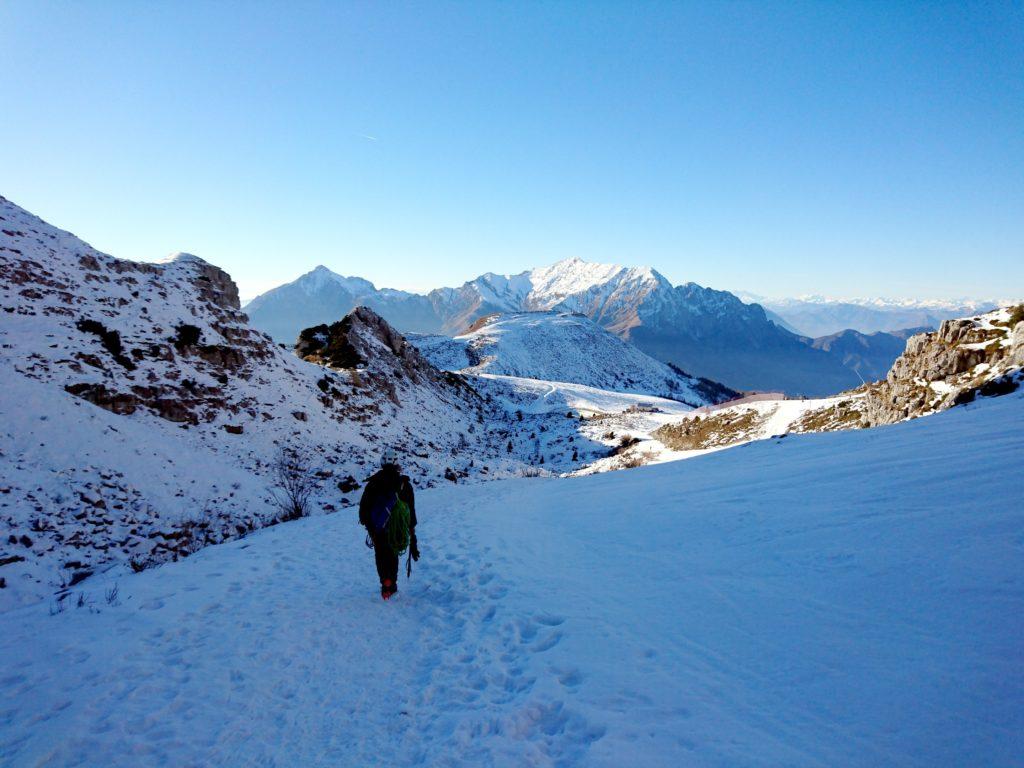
column 840, row 599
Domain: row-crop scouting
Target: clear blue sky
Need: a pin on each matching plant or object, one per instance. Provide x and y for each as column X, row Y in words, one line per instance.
column 871, row 148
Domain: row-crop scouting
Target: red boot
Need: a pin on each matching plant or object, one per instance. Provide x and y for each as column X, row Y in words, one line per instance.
column 387, row 589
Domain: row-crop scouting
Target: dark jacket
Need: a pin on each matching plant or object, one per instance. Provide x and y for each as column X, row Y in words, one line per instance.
column 383, row 485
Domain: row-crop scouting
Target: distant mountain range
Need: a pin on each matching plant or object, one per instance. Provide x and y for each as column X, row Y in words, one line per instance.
column 869, row 355
column 707, row 333
column 821, row 316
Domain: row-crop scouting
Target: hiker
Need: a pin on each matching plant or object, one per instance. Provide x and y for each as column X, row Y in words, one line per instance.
column 388, row 510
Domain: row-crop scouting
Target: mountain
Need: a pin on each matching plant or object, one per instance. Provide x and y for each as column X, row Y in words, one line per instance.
column 321, row 296
column 564, row 347
column 817, row 316
column 609, row 294
column 870, row 355
column 708, row 333
column 141, row 417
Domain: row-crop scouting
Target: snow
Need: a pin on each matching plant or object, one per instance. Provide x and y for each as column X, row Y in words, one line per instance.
column 314, row 281
column 557, row 396
column 560, row 347
column 206, row 459
column 567, row 277
column 851, row 598
column 780, row 417
column 181, row 256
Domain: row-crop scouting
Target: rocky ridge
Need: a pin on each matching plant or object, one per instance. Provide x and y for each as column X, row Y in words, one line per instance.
column 962, row 360
column 967, row 358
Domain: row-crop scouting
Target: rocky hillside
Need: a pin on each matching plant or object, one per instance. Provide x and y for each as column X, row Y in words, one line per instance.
column 565, row 347
column 380, row 359
column 141, row 417
column 964, row 359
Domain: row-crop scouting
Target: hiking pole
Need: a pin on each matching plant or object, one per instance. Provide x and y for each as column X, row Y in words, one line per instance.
column 408, row 565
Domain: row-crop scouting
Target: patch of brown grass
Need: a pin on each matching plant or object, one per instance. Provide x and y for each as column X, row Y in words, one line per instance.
column 717, row 429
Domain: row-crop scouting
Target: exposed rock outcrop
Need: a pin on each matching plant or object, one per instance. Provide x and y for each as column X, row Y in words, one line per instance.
column 963, row 359
column 380, row 359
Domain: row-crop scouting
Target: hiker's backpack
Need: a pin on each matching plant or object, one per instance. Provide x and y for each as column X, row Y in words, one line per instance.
column 390, row 518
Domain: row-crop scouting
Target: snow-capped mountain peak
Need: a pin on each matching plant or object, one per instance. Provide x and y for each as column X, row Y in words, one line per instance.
column 575, row 277
column 568, row 277
column 706, row 332
column 320, row 276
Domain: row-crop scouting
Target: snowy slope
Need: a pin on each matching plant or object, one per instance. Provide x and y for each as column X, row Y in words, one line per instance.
column 564, row 347
column 711, row 429
column 824, row 600
column 140, row 413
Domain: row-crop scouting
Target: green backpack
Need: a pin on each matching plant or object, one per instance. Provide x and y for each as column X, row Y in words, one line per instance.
column 396, row 530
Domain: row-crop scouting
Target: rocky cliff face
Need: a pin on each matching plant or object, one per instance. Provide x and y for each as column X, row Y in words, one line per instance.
column 963, row 359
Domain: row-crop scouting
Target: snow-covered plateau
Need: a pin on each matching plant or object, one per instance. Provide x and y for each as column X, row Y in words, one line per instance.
column 852, row 598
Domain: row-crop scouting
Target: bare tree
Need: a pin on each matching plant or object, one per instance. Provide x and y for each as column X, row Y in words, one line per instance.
column 294, row 482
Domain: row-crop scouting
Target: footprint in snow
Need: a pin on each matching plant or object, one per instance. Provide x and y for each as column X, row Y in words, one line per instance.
column 525, row 630
column 569, row 678
column 547, row 643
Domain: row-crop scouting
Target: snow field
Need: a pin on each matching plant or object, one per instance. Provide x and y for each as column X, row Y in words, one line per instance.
column 848, row 598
